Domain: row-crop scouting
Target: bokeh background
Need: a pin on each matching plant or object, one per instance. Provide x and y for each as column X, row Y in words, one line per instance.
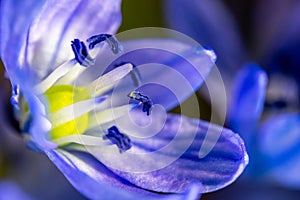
column 38, row 178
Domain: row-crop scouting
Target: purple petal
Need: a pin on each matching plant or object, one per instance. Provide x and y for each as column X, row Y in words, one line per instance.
column 169, row 161
column 95, row 181
column 279, row 138
column 167, row 67
column 211, row 24
column 89, row 176
column 247, row 100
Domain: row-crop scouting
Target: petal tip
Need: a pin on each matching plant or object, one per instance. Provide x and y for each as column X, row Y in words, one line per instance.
column 211, row 53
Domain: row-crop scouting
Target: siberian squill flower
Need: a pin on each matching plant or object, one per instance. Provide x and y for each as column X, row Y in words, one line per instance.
column 77, row 90
column 270, row 92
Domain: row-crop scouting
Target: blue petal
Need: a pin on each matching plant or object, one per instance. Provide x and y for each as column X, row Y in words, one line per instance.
column 279, row 138
column 169, row 161
column 59, row 23
column 16, row 18
column 95, row 181
column 247, row 100
column 211, row 24
column 172, row 68
column 49, row 36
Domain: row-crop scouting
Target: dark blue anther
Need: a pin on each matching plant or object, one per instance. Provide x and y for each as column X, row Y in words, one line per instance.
column 81, row 53
column 110, row 39
column 142, row 99
column 135, row 73
column 122, row 141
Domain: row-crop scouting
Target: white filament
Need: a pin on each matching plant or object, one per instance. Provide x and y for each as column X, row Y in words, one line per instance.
column 54, row 76
column 107, row 81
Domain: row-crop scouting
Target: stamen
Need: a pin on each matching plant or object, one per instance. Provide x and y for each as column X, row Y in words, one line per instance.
column 55, row 76
column 14, row 100
column 135, row 73
column 71, row 76
column 109, row 39
column 108, row 115
column 67, row 113
column 86, row 140
column 142, row 99
column 81, row 53
column 122, row 141
column 107, row 81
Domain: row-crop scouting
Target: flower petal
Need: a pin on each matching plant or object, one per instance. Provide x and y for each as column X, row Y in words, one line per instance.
column 95, row 181
column 247, row 100
column 169, row 161
column 167, row 67
column 60, row 22
column 16, row 17
column 279, row 138
column 41, row 33
column 211, row 24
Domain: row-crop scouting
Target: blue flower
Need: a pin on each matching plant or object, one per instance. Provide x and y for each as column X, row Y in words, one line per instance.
column 9, row 190
column 271, row 94
column 85, row 100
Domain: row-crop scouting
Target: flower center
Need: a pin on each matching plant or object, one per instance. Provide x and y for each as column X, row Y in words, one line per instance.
column 60, row 96
column 80, row 115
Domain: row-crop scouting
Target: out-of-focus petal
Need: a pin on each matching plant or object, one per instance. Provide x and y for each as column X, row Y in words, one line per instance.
column 169, row 161
column 174, row 69
column 211, row 24
column 279, row 138
column 9, row 190
column 95, row 181
column 247, row 100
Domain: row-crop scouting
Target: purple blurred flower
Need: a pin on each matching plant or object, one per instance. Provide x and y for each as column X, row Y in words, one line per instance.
column 50, row 47
column 273, row 39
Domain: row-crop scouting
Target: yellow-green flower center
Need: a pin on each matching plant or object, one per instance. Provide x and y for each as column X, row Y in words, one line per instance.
column 60, row 96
